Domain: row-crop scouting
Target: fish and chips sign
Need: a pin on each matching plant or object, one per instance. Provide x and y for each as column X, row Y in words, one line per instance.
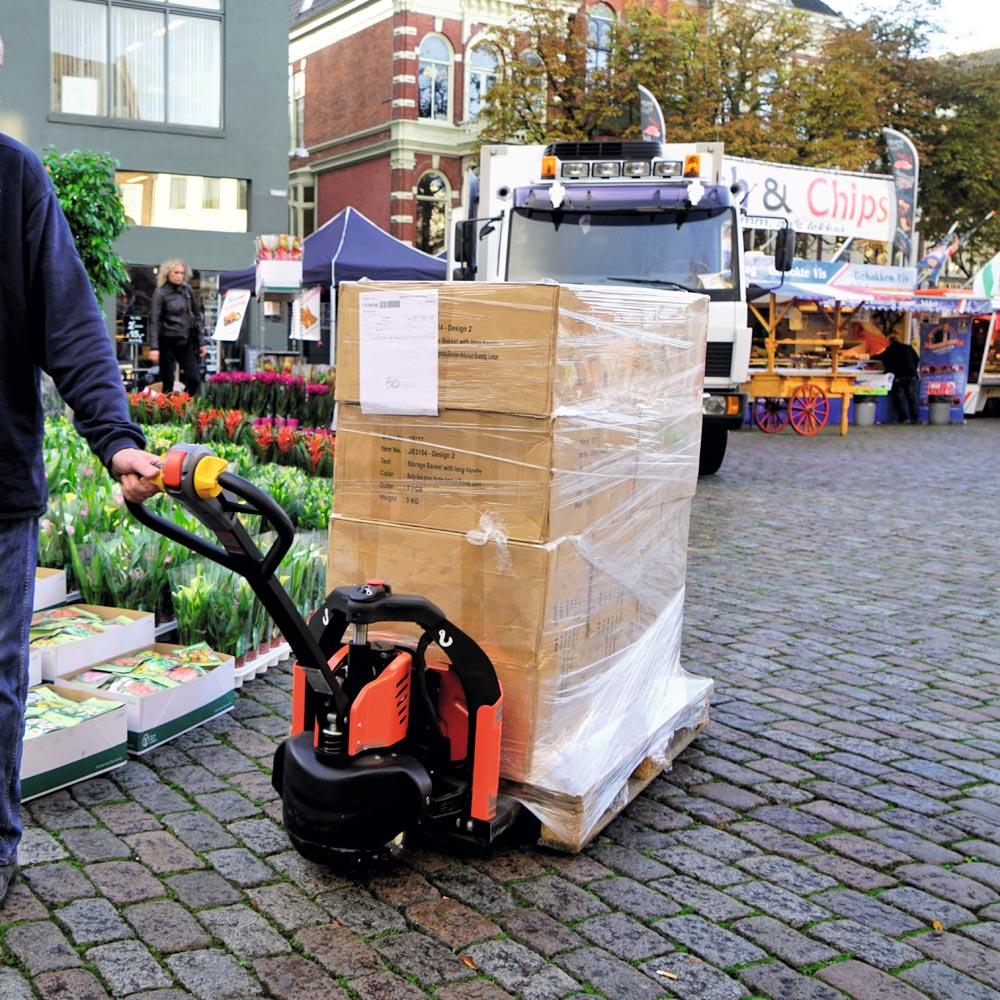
column 832, row 203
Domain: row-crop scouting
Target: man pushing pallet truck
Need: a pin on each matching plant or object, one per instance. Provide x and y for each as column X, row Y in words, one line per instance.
column 542, row 499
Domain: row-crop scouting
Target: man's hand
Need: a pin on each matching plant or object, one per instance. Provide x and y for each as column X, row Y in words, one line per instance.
column 136, row 470
column 154, row 356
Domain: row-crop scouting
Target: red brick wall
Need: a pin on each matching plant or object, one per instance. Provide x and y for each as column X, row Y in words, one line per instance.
column 364, row 186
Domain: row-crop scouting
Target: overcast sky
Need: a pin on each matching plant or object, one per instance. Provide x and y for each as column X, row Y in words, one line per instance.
column 967, row 25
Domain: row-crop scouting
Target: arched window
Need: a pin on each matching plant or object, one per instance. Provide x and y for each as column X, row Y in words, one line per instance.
column 484, row 64
column 432, row 213
column 435, row 70
column 601, row 20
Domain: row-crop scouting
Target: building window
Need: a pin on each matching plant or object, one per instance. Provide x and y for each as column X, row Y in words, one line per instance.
column 601, row 20
column 170, row 201
column 145, row 60
column 435, row 71
column 297, row 109
column 432, row 213
column 483, row 68
column 301, row 206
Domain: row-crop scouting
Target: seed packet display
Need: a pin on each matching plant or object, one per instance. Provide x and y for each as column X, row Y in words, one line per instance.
column 148, row 671
column 47, row 711
column 59, row 626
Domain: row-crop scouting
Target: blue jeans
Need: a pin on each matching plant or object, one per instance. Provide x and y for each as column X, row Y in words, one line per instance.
column 18, row 551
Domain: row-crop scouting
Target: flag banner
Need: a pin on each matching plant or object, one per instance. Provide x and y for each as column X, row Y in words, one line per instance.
column 905, row 166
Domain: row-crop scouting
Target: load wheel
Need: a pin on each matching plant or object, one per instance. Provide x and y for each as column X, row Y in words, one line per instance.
column 713, row 449
column 770, row 414
column 808, row 409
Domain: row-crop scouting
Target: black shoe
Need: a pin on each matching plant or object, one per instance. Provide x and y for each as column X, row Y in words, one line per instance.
column 8, row 874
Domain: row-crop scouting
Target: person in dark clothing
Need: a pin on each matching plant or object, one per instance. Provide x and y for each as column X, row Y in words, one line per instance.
column 176, row 332
column 903, row 363
column 49, row 321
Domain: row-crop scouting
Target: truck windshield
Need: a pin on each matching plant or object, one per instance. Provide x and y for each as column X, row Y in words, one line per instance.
column 692, row 248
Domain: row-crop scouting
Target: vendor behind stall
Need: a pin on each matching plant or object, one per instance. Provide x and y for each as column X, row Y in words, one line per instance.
column 902, row 362
column 866, row 341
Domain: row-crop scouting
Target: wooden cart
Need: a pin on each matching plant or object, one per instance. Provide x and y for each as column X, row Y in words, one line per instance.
column 799, row 396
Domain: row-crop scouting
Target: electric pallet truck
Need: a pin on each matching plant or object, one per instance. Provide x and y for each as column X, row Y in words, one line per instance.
column 382, row 742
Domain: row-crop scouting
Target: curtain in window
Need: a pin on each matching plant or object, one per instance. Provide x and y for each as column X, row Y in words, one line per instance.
column 194, row 52
column 435, row 61
column 79, row 55
column 137, row 64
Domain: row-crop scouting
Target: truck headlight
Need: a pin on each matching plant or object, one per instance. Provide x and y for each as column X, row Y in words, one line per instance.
column 714, row 406
column 607, row 168
column 574, row 171
column 637, row 168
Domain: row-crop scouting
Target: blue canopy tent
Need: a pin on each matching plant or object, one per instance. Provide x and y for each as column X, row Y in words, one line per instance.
column 347, row 248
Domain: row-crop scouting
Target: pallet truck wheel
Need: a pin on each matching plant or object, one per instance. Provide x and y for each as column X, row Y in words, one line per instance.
column 808, row 409
column 770, row 414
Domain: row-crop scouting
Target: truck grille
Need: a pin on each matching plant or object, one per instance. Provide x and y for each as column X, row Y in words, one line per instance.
column 718, row 359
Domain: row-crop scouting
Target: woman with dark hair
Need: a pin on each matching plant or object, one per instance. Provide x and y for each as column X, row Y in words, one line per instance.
column 176, row 331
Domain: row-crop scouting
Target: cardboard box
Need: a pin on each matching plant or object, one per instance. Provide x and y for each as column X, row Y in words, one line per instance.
column 535, row 478
column 140, row 632
column 532, row 348
column 55, row 760
column 156, row 718
column 34, row 668
column 50, row 587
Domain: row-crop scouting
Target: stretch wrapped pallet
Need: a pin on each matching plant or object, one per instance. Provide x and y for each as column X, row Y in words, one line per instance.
column 545, row 509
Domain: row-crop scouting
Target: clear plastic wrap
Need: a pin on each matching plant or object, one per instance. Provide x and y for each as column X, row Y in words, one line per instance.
column 545, row 509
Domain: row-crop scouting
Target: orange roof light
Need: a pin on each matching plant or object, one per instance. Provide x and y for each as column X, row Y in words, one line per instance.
column 549, row 166
column 692, row 165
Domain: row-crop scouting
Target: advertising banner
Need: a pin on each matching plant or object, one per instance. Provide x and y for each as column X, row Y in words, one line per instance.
column 944, row 360
column 905, row 174
column 234, row 307
column 306, row 315
column 822, row 202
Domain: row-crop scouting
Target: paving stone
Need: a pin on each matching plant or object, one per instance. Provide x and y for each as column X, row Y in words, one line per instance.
column 716, row 843
column 452, row 922
column 691, row 979
column 629, row 862
column 971, row 957
column 472, row 989
column 926, row 907
column 402, row 888
column 256, row 787
column 37, row 846
column 561, row 898
column 71, row 984
column 916, row 847
column 162, row 852
column 504, row 866
column 980, row 871
column 793, row 821
column 58, row 811
column 385, row 986
column 776, row 980
column 211, row 975
column 520, row 971
column 240, row 866
column 778, row 902
column 260, row 835
column 985, row 933
column 420, row 956
column 13, row 985
column 168, row 925
column 614, row 978
column 292, row 977
column 713, row 944
column 95, row 844
column 774, row 841
column 199, row 831
column 940, row 982
column 851, row 874
column 838, row 815
column 310, row 877
column 41, row 947
column 243, row 931
column 866, row 983
column 223, row 760
column 864, row 851
column 21, row 904
column 578, row 868
column 864, row 943
column 359, row 911
column 540, row 932
column 930, row 827
column 867, row 911
column 199, row 889
column 57, row 883
column 623, row 936
column 124, row 881
column 339, row 951
column 702, row 899
column 632, row 897
column 740, row 799
column 783, row 942
column 286, row 906
column 943, row 883
column 95, row 791
column 127, row 967
column 475, row 889
column 227, row 806
column 194, row 779
column 126, row 817
column 93, row 921
column 788, row 874
column 160, row 798
column 655, row 814
column 700, row 866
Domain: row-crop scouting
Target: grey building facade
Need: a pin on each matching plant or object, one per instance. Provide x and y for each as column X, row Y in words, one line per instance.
column 187, row 95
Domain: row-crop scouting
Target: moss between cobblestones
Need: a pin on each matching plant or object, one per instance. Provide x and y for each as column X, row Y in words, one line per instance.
column 814, row 967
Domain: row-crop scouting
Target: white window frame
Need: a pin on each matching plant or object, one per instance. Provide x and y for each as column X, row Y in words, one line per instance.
column 444, row 200
column 601, row 13
column 471, row 70
column 449, row 115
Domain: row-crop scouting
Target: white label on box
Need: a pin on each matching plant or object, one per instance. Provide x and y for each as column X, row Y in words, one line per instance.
column 398, row 333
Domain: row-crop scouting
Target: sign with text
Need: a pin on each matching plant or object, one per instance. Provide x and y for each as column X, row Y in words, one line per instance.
column 944, row 360
column 306, row 315
column 136, row 328
column 822, row 202
column 398, row 334
column 234, row 307
column 854, row 278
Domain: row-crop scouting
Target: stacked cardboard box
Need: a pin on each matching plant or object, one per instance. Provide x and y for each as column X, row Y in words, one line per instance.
column 544, row 508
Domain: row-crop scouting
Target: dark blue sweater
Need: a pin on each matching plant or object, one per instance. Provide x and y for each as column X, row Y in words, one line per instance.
column 49, row 320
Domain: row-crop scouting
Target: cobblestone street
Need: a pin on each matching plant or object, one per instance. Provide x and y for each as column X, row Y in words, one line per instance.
column 834, row 831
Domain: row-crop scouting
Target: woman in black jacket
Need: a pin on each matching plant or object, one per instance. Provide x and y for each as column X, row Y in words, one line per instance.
column 176, row 332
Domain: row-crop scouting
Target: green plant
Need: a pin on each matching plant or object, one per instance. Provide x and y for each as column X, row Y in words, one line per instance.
column 85, row 184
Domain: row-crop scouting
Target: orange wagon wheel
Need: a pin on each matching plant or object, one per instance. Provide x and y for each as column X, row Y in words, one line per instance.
column 770, row 413
column 808, row 409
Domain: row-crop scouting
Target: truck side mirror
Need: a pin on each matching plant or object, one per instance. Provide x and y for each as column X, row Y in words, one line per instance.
column 784, row 249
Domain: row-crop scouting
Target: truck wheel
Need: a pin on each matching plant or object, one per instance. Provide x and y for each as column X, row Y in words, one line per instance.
column 713, row 450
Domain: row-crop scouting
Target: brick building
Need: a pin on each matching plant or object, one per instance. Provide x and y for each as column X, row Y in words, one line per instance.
column 383, row 97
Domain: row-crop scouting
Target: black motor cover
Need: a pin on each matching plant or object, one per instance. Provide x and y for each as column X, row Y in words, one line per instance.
column 356, row 804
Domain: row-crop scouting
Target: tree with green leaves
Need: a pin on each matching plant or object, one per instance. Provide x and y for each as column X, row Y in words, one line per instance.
column 85, row 184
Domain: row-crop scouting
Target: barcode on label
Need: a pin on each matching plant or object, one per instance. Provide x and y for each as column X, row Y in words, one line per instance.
column 390, row 304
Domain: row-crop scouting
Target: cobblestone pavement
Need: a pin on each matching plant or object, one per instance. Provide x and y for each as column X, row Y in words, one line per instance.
column 833, row 833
